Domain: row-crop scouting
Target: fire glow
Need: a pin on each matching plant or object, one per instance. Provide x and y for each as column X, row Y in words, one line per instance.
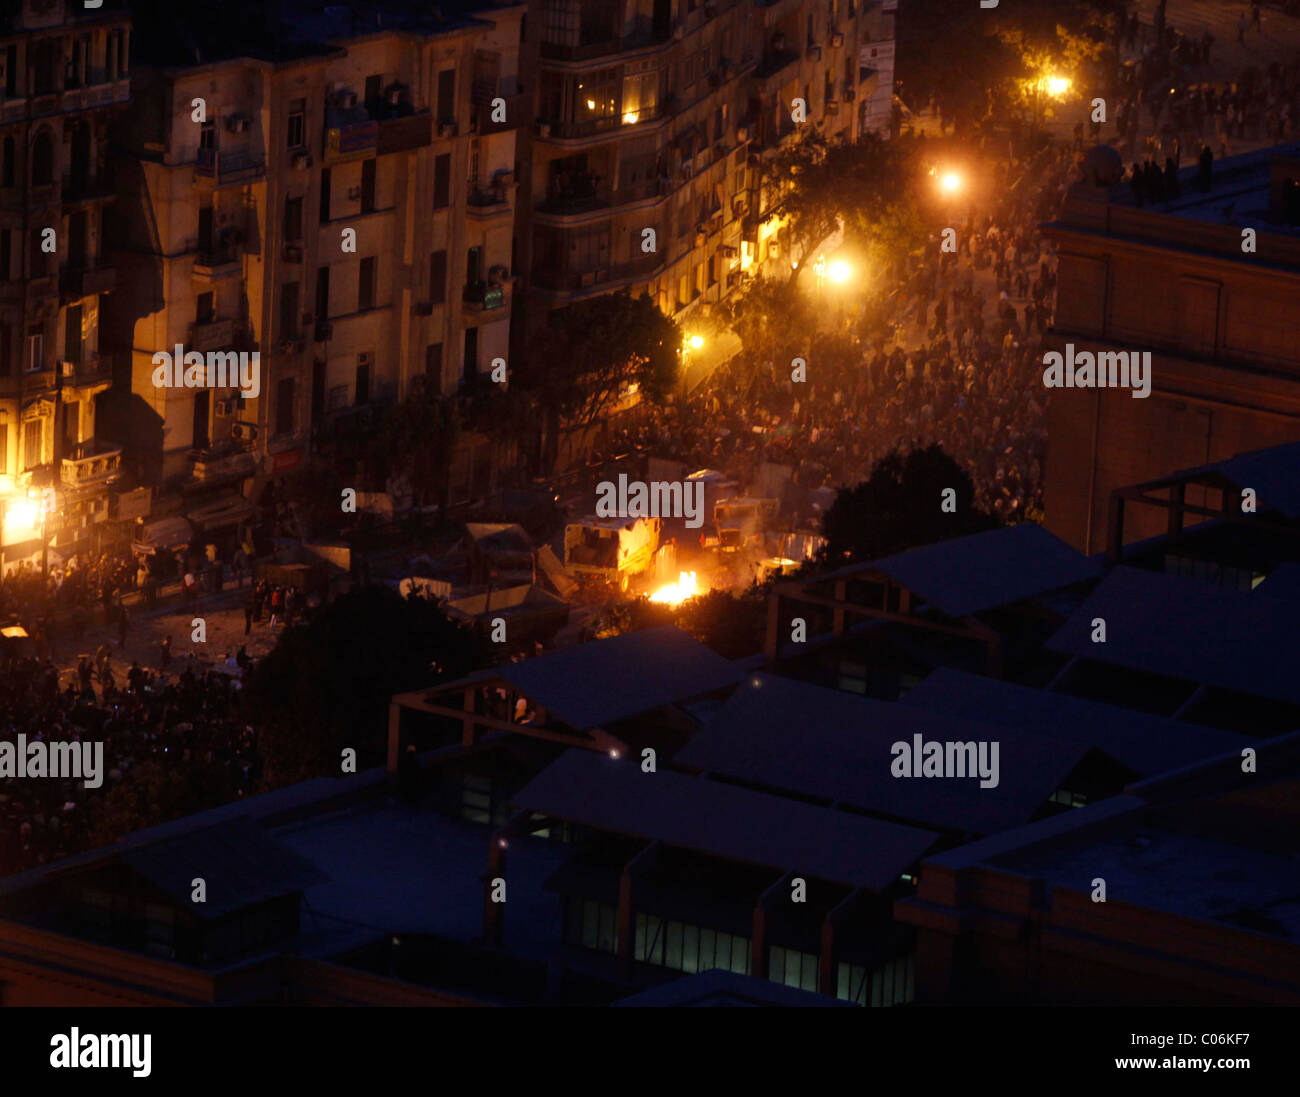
column 675, row 594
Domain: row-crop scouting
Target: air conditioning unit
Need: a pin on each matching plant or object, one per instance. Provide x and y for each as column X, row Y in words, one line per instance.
column 395, row 95
column 773, row 250
column 543, row 129
column 728, row 251
column 244, row 432
column 446, row 129
column 223, row 409
column 588, row 279
column 742, row 134
column 354, row 194
column 739, row 206
column 679, row 31
column 347, row 100
column 686, row 168
column 849, row 95
column 287, row 346
column 293, row 253
column 815, row 53
column 503, row 179
column 832, row 106
column 700, row 238
column 837, row 40
column 301, row 161
column 238, row 123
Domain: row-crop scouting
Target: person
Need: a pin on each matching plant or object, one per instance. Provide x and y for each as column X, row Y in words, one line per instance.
column 276, row 601
column 248, row 616
column 121, row 624
column 165, row 654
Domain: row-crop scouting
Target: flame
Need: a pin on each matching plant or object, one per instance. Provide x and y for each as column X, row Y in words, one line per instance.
column 676, row 593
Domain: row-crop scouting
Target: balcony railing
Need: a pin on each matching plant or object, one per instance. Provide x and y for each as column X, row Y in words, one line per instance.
column 414, row 131
column 568, row 281
column 212, row 335
column 78, row 282
column 223, row 168
column 226, row 457
column 350, row 142
column 91, row 463
column 92, row 369
column 482, row 296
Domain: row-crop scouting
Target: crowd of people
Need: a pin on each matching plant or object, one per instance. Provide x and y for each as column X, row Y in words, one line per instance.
column 189, row 724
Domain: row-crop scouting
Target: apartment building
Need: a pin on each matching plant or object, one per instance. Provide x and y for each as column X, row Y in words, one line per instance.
column 333, row 191
column 1206, row 285
column 64, row 75
column 654, row 120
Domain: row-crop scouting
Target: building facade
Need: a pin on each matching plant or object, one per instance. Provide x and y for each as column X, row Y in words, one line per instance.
column 66, row 74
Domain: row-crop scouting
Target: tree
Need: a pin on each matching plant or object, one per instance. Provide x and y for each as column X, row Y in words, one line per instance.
column 328, row 683
column 592, row 353
column 900, row 506
column 416, row 438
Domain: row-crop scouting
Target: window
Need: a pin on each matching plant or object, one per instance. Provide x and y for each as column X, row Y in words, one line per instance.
column 6, row 350
column 43, row 159
column 362, row 390
column 297, row 136
column 324, row 195
column 597, row 96
column 447, row 95
column 793, row 969
column 7, row 179
column 368, row 170
column 35, row 348
column 373, row 99
column 11, row 71
column 6, row 254
column 32, row 438
column 438, row 278
column 293, row 220
column 470, row 359
column 442, row 181
column 322, row 294
column 640, row 96
column 433, row 363
column 208, row 135
column 366, row 285
column 289, row 317
column 284, row 406
column 317, row 390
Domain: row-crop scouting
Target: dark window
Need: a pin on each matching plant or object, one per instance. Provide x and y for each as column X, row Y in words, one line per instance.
column 78, row 240
column 284, row 406
column 35, row 348
column 6, row 254
column 471, row 354
column 366, row 291
column 297, row 137
column 11, row 71
column 205, row 229
column 205, row 309
column 289, row 317
column 368, row 186
column 474, row 266
column 438, row 277
column 442, row 181
column 10, row 155
column 32, row 442
column 433, row 363
column 324, row 195
column 202, row 407
column 322, row 294
column 207, row 135
column 72, row 334
column 6, row 350
column 447, row 95
column 42, row 159
column 373, row 100
column 363, row 379
column 42, row 57
column 293, row 219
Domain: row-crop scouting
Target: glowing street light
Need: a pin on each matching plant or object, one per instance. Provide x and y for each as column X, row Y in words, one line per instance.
column 838, row 271
column 950, row 182
column 695, row 342
column 1057, row 85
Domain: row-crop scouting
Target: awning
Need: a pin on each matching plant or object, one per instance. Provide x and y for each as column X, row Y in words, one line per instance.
column 228, row 511
column 163, row 535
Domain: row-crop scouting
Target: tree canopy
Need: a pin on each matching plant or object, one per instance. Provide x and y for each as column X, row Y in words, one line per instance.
column 899, row 506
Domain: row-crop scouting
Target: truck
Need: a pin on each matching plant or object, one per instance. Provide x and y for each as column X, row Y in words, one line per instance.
column 611, row 549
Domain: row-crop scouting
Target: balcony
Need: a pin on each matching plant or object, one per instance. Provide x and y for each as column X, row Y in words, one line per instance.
column 93, row 371
column 226, row 458
column 602, row 45
column 212, row 335
column 91, row 464
column 353, row 141
column 78, row 282
column 216, row 264
column 414, row 131
column 575, row 193
column 481, row 296
column 487, row 203
column 563, row 281
column 229, row 168
column 589, row 127
column 770, row 70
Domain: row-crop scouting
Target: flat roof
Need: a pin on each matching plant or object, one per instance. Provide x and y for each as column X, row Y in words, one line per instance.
column 591, row 685
column 1165, row 624
column 983, row 571
column 1144, row 743
column 837, row 746
column 724, row 821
